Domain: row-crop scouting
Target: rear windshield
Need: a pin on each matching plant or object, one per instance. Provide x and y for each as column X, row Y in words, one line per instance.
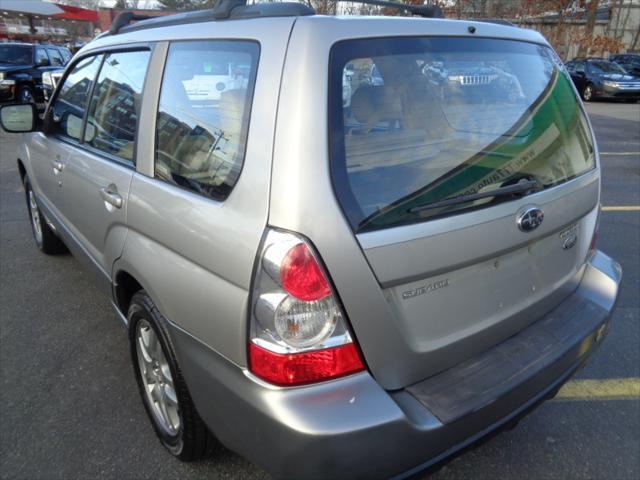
column 419, row 121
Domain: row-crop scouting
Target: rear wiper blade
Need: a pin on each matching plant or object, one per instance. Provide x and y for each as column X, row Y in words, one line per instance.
column 522, row 187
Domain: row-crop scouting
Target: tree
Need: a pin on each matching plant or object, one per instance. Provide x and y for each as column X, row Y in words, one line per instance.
column 588, row 31
column 176, row 5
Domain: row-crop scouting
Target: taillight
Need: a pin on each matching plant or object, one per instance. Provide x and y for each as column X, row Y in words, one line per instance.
column 298, row 332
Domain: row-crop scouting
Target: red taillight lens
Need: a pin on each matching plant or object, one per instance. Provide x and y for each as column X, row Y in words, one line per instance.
column 305, row 367
column 301, row 275
column 298, row 330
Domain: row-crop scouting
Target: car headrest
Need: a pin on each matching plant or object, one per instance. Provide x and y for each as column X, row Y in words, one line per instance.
column 373, row 104
column 232, row 110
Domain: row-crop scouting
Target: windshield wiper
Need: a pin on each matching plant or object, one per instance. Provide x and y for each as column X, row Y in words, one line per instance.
column 522, row 187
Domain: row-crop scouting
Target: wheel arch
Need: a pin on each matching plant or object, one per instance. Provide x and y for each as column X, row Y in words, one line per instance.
column 125, row 286
column 21, row 169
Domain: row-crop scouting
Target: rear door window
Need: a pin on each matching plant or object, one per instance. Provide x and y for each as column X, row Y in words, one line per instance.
column 66, row 55
column 115, row 105
column 203, row 114
column 55, row 57
column 416, row 122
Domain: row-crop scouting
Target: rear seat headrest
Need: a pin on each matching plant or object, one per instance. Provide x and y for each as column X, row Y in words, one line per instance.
column 373, row 104
column 231, row 112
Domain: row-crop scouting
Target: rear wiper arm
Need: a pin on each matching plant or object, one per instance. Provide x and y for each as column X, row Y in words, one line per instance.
column 526, row 186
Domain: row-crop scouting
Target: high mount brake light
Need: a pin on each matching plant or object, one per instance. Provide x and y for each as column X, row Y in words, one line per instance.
column 298, row 331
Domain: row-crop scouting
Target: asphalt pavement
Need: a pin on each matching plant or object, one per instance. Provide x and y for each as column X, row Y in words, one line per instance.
column 69, row 406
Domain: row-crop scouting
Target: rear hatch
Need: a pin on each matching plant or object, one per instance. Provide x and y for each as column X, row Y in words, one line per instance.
column 468, row 174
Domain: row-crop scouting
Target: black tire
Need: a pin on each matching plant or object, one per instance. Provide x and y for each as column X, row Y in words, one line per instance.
column 192, row 441
column 26, row 95
column 587, row 93
column 46, row 240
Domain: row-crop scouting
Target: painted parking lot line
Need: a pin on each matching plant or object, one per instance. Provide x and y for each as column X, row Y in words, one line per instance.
column 617, row 154
column 607, row 389
column 621, row 208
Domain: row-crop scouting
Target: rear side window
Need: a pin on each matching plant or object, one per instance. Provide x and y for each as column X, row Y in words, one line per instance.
column 69, row 106
column 203, row 114
column 115, row 105
column 420, row 124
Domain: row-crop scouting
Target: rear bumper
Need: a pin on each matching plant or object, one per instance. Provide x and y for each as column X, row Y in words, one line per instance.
column 352, row 428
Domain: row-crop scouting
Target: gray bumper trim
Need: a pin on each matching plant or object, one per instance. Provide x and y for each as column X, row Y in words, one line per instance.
column 477, row 382
column 351, row 427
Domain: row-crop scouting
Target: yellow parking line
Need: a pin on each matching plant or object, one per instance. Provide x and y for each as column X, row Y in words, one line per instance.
column 625, row 208
column 609, row 389
column 619, row 153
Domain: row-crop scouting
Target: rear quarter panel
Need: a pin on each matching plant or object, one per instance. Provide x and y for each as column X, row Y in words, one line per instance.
column 195, row 255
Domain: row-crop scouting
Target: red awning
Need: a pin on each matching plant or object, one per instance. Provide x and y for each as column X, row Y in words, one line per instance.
column 77, row 13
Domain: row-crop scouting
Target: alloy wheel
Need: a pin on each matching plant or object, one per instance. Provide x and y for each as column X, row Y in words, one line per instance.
column 35, row 217
column 157, row 379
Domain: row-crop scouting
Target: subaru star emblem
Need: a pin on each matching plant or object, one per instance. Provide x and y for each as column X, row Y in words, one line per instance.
column 530, row 219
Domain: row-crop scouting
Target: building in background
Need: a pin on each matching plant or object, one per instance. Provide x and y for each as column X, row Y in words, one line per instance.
column 36, row 21
column 39, row 22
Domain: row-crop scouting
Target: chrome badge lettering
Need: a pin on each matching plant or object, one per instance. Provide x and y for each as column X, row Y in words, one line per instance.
column 425, row 289
column 569, row 237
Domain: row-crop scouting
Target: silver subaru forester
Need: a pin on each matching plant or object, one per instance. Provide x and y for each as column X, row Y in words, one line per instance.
column 343, row 247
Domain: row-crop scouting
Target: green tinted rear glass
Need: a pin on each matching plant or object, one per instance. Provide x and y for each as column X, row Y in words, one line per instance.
column 421, row 120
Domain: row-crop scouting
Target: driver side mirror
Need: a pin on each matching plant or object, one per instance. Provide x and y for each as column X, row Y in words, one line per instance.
column 18, row 118
column 43, row 62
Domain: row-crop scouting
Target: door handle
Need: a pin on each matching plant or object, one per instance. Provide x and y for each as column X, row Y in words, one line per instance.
column 58, row 166
column 111, row 196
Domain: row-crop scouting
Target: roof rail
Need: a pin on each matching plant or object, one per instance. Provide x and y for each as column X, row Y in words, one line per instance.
column 222, row 10
column 497, row 21
column 427, row 11
column 123, row 19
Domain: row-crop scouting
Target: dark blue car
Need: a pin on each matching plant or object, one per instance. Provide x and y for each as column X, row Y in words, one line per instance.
column 599, row 78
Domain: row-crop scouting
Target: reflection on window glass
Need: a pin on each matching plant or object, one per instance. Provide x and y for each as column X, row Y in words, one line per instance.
column 41, row 56
column 71, row 103
column 424, row 120
column 115, row 105
column 203, row 114
column 605, row 67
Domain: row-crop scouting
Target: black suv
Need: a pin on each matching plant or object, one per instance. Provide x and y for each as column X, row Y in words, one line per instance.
column 629, row 61
column 22, row 66
column 600, row 78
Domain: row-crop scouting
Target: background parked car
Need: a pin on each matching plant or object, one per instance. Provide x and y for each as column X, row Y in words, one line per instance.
column 599, row 78
column 629, row 61
column 22, row 66
column 50, row 80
